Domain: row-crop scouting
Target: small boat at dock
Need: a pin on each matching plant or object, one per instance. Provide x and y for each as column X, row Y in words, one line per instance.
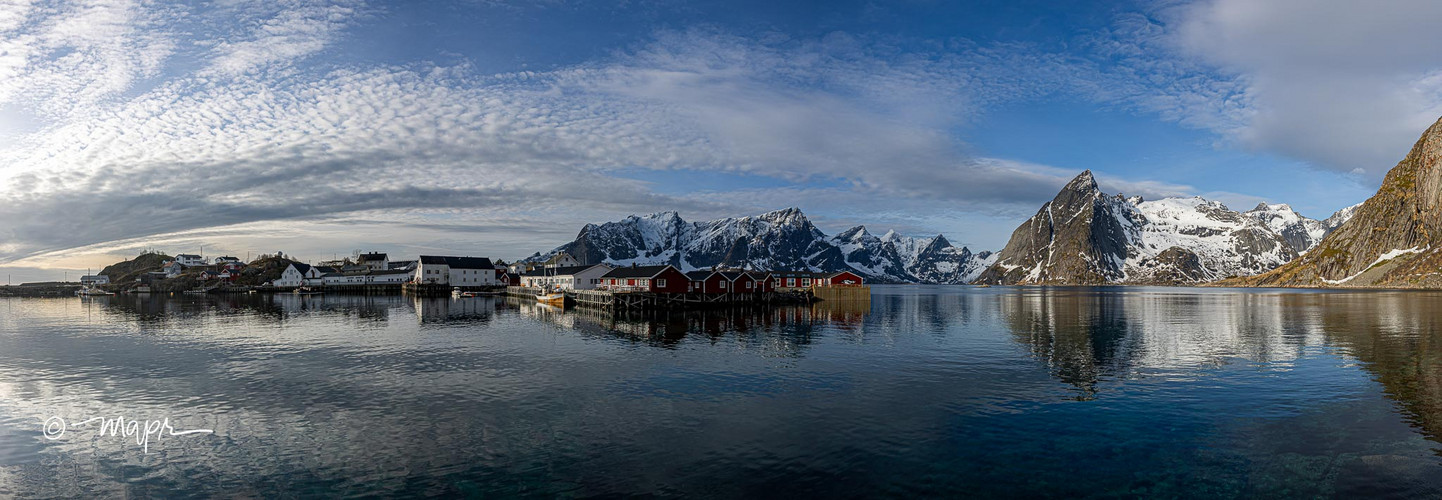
column 552, row 298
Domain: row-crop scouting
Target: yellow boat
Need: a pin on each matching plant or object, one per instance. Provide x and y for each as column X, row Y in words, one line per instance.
column 552, row 298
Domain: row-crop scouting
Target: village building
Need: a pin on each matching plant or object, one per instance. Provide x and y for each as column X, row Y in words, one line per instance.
column 297, row 274
column 706, row 281
column 172, row 269
column 791, row 281
column 566, row 278
column 221, row 261
column 401, row 265
column 764, row 282
column 95, row 279
column 389, row 277
column 456, row 271
column 190, row 260
column 656, row 279
column 319, row 278
column 375, row 261
column 739, row 282
column 842, row 278
column 561, row 259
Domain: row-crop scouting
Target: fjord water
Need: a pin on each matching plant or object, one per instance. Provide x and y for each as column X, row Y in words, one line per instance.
column 925, row 390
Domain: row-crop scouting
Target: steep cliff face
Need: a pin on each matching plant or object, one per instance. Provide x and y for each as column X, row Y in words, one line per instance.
column 1078, row 238
column 1391, row 240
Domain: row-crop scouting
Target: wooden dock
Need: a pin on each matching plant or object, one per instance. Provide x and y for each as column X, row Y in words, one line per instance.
column 638, row 300
column 843, row 293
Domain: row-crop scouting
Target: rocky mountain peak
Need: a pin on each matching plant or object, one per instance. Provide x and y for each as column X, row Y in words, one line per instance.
column 857, row 233
column 1082, row 182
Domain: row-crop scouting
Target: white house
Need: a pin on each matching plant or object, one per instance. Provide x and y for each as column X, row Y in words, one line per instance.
column 94, row 279
column 221, row 261
column 298, row 274
column 375, row 261
column 562, row 259
column 566, row 278
column 456, row 271
column 334, row 279
column 189, row 260
column 389, row 277
column 173, row 269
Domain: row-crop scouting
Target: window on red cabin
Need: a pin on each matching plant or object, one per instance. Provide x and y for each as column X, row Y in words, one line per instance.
column 661, row 283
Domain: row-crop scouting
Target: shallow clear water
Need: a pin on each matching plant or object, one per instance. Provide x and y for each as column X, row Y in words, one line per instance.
column 926, row 390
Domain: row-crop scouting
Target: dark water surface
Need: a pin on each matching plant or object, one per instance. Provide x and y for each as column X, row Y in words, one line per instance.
column 925, row 391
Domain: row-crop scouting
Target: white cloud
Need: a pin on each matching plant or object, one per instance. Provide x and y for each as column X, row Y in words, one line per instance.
column 1346, row 86
column 279, row 33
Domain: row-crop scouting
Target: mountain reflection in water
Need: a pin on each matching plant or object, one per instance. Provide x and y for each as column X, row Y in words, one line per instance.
column 921, row 391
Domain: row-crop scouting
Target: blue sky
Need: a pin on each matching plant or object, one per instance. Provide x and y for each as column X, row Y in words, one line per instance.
column 499, row 128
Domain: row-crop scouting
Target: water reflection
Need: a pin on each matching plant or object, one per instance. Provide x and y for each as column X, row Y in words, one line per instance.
column 1086, row 337
column 939, row 391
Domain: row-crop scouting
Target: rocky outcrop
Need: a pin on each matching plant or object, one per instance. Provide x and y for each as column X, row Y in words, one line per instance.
column 1391, row 240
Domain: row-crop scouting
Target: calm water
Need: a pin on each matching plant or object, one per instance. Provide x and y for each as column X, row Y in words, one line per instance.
column 926, row 390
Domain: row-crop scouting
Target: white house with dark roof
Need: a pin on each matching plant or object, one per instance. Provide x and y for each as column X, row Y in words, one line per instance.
column 190, row 260
column 297, row 274
column 456, row 271
column 375, row 261
column 566, row 278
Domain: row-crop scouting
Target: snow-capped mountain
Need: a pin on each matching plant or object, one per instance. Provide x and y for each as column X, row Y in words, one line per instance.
column 1085, row 236
column 1301, row 232
column 935, row 260
column 779, row 240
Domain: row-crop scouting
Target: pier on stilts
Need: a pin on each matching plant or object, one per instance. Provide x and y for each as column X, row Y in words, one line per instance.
column 640, row 300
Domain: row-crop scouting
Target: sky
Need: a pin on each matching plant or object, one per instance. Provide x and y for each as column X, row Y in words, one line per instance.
column 498, row 128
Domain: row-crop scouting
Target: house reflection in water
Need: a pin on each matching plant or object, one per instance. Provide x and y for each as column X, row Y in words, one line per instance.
column 780, row 327
column 442, row 309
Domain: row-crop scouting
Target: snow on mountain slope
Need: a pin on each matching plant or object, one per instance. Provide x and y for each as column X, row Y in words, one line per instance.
column 1224, row 242
column 779, row 240
column 1085, row 236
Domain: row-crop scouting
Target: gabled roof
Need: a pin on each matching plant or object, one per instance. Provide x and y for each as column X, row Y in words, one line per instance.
column 559, row 271
column 636, row 272
column 326, row 269
column 373, row 256
column 302, row 268
column 458, row 262
column 700, row 275
column 186, row 255
column 732, row 275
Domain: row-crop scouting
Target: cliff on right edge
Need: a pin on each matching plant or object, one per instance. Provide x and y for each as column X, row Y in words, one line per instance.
column 1392, row 240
